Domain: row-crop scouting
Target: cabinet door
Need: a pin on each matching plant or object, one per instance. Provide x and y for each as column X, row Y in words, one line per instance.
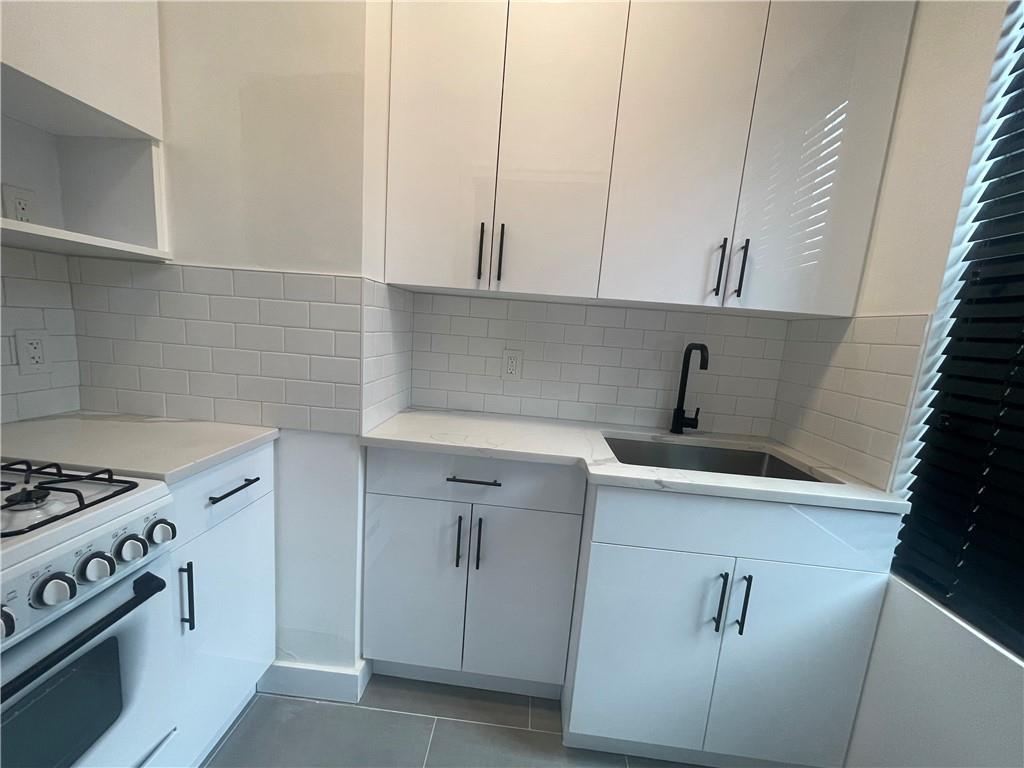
column 562, row 71
column 233, row 642
column 787, row 688
column 825, row 98
column 414, row 580
column 519, row 600
column 446, row 69
column 684, row 115
column 647, row 645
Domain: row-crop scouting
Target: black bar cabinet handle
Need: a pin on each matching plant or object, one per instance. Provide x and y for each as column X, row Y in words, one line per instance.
column 248, row 481
column 717, row 618
column 480, row 255
column 743, row 267
column 190, row 579
column 144, row 587
column 721, row 265
column 746, row 601
column 501, row 250
column 454, row 479
column 458, row 543
column 479, row 539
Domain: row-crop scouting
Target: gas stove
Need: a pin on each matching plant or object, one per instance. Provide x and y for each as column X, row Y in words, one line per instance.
column 66, row 535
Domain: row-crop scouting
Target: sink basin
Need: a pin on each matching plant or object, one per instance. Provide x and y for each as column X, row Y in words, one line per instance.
column 704, row 459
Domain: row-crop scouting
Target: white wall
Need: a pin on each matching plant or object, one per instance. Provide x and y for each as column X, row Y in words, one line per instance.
column 105, row 54
column 938, row 694
column 319, row 511
column 948, row 62
column 376, row 105
column 263, row 118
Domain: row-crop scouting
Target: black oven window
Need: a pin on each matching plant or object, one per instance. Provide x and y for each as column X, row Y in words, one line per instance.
column 65, row 714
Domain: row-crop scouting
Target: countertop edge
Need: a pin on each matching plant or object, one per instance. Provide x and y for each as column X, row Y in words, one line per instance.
column 213, row 459
column 838, row 496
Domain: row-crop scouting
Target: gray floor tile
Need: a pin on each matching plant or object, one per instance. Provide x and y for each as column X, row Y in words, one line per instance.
column 282, row 732
column 438, row 700
column 646, row 762
column 546, row 715
column 457, row 744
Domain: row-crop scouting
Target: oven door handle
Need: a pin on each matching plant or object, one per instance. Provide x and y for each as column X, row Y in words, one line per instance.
column 145, row 586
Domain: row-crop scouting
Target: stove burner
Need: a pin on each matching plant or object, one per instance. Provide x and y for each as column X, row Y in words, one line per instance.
column 50, row 479
column 26, row 498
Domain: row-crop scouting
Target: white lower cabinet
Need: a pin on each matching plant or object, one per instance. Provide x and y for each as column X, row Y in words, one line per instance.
column 231, row 640
column 415, row 557
column 678, row 655
column 468, row 587
column 787, row 687
column 519, row 599
column 648, row 646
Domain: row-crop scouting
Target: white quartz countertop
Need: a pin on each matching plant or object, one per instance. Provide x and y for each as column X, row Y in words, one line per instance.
column 139, row 446
column 570, row 442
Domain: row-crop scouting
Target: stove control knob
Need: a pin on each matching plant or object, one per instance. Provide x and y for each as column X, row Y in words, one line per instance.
column 131, row 548
column 96, row 566
column 54, row 590
column 161, row 531
column 7, row 621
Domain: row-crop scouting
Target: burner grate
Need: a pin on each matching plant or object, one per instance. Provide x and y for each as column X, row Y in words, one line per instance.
column 49, row 478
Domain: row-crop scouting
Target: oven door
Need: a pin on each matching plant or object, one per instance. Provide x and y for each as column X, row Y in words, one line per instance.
column 95, row 687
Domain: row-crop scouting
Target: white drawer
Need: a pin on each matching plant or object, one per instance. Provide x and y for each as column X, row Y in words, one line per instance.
column 763, row 530
column 476, row 480
column 194, row 508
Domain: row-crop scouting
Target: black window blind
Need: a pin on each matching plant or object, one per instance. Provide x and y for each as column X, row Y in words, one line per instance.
column 963, row 540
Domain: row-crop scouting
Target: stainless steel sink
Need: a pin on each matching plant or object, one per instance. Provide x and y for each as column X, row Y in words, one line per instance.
column 704, row 459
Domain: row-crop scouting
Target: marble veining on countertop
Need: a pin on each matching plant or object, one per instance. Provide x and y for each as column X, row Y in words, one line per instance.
column 139, row 446
column 571, row 442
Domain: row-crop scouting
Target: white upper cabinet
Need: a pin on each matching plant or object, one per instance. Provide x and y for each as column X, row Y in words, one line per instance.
column 825, row 99
column 688, row 83
column 106, row 55
column 446, row 70
column 562, row 71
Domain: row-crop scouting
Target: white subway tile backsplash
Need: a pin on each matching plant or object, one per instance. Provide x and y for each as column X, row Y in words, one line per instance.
column 259, row 285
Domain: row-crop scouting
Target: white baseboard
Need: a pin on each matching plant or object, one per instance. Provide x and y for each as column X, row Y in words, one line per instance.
column 316, row 681
column 468, row 679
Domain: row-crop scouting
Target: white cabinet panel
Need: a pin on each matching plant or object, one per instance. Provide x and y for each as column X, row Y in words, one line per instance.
column 684, row 115
column 414, row 586
column 563, row 65
column 233, row 642
column 446, row 70
column 519, row 601
column 825, row 98
column 787, row 688
column 647, row 645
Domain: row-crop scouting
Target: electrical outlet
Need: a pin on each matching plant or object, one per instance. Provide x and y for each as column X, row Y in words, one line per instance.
column 18, row 202
column 31, row 349
column 512, row 364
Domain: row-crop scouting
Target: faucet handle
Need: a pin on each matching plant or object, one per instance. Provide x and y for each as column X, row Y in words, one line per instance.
column 696, row 414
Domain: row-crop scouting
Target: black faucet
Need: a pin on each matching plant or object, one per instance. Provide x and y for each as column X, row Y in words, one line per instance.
column 680, row 420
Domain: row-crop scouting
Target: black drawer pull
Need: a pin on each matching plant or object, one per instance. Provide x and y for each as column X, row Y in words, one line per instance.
column 746, row 601
column 248, row 481
column 721, row 265
column 501, row 251
column 190, row 579
column 480, row 255
column 479, row 539
column 454, row 479
column 458, row 543
column 717, row 618
column 743, row 267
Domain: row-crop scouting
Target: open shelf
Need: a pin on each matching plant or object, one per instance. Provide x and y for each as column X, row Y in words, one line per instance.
column 36, row 237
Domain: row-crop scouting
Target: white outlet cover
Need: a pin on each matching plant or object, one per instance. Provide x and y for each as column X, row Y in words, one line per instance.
column 31, row 348
column 512, row 364
column 18, row 202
